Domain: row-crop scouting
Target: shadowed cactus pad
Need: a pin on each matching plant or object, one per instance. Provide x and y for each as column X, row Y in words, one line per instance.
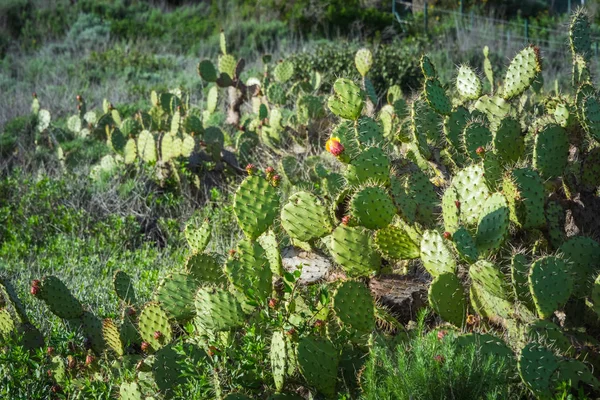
column 447, row 297
column 551, row 151
column 492, row 227
column 436, row 97
column 551, row 285
column 435, row 255
column 248, row 269
column 318, row 360
column 353, row 305
column 124, row 287
column 372, row 207
column 59, row 299
column 536, row 366
column 154, row 319
column 476, row 135
column 198, row 234
column 579, row 34
column 352, row 248
column 205, row 268
column 217, row 309
column 524, row 191
column 508, row 141
column 304, row 217
column 255, row 204
column 465, row 245
column 583, row 257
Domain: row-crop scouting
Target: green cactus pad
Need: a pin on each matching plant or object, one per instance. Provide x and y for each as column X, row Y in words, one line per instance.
column 91, row 326
column 521, row 72
column 465, row 245
column 524, row 191
column 556, row 218
column 278, row 355
column 255, row 205
column 59, row 299
column 495, row 108
column 347, row 102
column 395, row 243
column 368, row 131
column 276, row 94
column 519, row 271
column 403, row 197
column 207, row 71
column 217, row 309
column 590, row 111
column 318, row 360
column 146, row 147
column 551, row 285
column 551, row 151
column 487, row 67
column 454, row 126
column 284, row 71
column 198, row 234
column 489, row 277
column 7, row 325
column 352, row 248
column 11, row 302
column 249, row 269
column 583, row 257
column 427, row 67
column 372, row 165
column 447, row 298
column 130, row 391
column 154, row 319
column 487, row 305
column 130, row 151
column 476, row 135
column 579, row 34
column 112, row 337
column 493, row 224
column 590, row 170
column 436, row 97
column 227, row 64
column 468, row 84
column 175, row 295
column 550, row 335
column 363, row 61
column 372, row 207
column 435, row 255
column 269, row 243
column 450, row 212
column 354, row 307
column 488, row 345
column 508, row 141
column 574, row 372
column 536, row 366
column 305, row 218
column 472, row 192
column 205, row 268
column 426, row 126
column 124, row 287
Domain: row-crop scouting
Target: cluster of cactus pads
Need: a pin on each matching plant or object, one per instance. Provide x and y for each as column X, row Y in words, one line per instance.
column 488, row 189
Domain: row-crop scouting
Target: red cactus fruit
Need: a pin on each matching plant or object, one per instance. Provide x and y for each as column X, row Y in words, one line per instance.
column 270, row 171
column 36, row 282
column 447, row 235
column 145, row 346
column 441, row 334
column 50, row 350
column 276, row 180
column 480, row 151
column 291, row 332
column 250, row 169
column 35, row 290
column 89, row 359
column 439, row 358
column 232, row 252
column 346, row 219
column 319, row 323
column 457, row 204
column 334, row 146
column 158, row 335
column 272, row 302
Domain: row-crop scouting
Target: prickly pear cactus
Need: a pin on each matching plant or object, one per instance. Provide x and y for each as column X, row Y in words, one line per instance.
column 198, row 235
column 492, row 228
column 205, row 268
column 248, row 269
column 536, row 367
column 124, row 287
column 217, row 309
column 363, row 61
column 468, row 84
column 354, row 307
column 395, row 243
column 112, row 337
column 352, row 248
column 447, row 298
column 435, row 255
column 304, row 217
column 347, row 100
column 176, row 294
column 255, row 205
column 521, row 72
column 278, row 359
column 551, row 285
column 59, row 299
column 154, row 326
column 318, row 360
column 372, row 207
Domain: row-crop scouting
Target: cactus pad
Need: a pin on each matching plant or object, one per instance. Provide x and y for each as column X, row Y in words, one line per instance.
column 248, row 269
column 436, row 97
column 583, row 257
column 472, row 193
column 427, row 67
column 154, row 319
column 146, row 147
column 476, row 135
column 493, row 224
column 579, row 34
column 7, row 325
column 59, row 299
column 176, row 295
column 524, row 191
column 284, row 71
column 551, row 285
column 207, row 71
column 318, row 360
column 519, row 271
column 508, row 141
column 551, row 151
column 395, row 243
column 353, row 305
column 435, row 255
column 536, row 366
column 352, row 248
column 124, row 287
column 363, row 61
column 372, row 207
column 217, row 309
column 447, row 298
column 305, row 218
column 465, row 245
column 489, row 277
column 454, row 126
column 468, row 84
column 205, row 268
column 112, row 337
column 198, row 234
column 278, row 359
column 521, row 72
column 372, row 165
column 255, row 204
column 347, row 101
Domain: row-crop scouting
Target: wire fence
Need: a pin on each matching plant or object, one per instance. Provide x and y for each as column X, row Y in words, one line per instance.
column 550, row 39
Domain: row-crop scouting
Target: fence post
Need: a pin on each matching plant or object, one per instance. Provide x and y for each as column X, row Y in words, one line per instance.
column 569, row 7
column 425, row 17
column 527, row 30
